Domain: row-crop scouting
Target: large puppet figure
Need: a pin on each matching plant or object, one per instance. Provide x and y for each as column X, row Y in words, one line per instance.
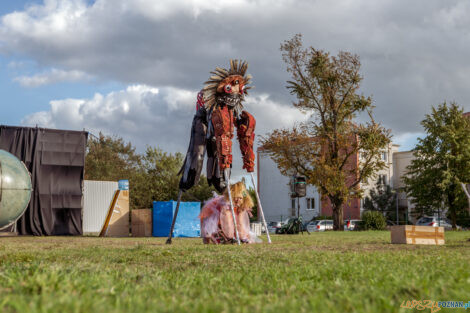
column 219, row 109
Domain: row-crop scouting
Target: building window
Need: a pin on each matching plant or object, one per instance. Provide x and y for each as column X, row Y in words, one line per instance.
column 310, row 203
column 384, row 155
column 383, row 179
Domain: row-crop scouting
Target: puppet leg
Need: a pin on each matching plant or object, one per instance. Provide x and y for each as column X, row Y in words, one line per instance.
column 231, row 205
column 260, row 208
column 222, row 121
column 168, row 241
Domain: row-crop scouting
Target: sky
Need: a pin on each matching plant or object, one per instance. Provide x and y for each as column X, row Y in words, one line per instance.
column 132, row 68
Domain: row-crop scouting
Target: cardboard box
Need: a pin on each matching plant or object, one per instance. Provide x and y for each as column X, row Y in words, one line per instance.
column 419, row 235
column 141, row 223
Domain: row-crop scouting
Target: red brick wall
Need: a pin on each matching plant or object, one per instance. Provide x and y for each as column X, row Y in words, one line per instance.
column 351, row 209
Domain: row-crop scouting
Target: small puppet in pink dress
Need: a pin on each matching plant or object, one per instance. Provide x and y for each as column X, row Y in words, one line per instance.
column 216, row 218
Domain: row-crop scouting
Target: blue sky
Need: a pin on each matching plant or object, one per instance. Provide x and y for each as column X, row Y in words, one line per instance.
column 132, row 68
column 18, row 101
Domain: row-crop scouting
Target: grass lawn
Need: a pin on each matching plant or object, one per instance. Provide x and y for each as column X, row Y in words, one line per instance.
column 321, row 272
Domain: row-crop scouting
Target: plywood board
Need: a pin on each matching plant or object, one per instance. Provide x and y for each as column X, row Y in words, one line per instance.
column 421, row 235
column 117, row 220
column 141, row 222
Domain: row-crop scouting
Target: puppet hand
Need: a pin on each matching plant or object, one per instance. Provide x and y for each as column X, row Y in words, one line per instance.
column 250, row 168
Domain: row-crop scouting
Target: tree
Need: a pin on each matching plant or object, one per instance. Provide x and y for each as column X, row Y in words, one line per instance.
column 441, row 162
column 382, row 199
column 325, row 148
column 110, row 158
column 252, row 193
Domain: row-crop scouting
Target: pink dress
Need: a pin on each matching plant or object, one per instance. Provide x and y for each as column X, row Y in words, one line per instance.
column 217, row 222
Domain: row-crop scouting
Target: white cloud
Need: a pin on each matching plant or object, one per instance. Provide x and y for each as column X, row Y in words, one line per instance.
column 270, row 114
column 134, row 113
column 152, row 116
column 51, row 77
column 414, row 54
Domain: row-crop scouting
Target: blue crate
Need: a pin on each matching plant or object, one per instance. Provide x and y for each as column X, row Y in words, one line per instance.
column 187, row 223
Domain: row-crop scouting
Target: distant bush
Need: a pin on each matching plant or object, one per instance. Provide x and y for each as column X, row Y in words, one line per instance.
column 373, row 220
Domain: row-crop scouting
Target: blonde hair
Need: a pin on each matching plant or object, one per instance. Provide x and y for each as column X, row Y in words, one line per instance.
column 238, row 190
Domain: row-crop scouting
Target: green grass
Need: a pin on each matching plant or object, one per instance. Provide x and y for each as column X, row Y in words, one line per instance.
column 321, row 272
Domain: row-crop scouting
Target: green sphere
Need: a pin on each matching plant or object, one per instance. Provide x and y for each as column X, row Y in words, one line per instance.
column 15, row 188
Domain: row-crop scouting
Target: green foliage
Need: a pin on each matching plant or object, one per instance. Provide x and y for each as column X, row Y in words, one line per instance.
column 293, row 226
column 441, row 162
column 325, row 148
column 152, row 175
column 320, row 272
column 110, row 158
column 382, row 199
column 252, row 193
column 372, row 220
column 463, row 218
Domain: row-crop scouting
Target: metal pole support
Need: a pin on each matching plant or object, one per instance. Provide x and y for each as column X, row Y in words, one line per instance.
column 260, row 207
column 168, row 241
column 226, row 172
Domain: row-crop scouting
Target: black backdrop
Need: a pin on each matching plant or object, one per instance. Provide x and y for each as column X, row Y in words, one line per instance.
column 56, row 160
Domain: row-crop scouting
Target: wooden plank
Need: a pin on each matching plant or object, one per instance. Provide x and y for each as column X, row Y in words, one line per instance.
column 412, row 234
column 110, row 214
column 141, row 222
column 117, row 220
column 422, row 241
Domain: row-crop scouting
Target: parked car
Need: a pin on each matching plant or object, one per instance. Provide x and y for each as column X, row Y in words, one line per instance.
column 310, row 226
column 321, row 225
column 435, row 222
column 304, row 225
column 351, row 224
column 272, row 226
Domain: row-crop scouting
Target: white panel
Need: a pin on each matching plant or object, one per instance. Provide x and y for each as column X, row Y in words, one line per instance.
column 97, row 197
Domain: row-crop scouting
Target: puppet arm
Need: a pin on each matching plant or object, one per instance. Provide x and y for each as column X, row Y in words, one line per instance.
column 246, row 135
